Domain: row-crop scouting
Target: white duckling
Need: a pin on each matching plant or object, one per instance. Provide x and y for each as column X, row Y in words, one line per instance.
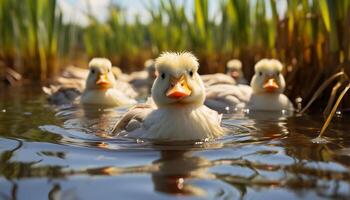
column 234, row 69
column 178, row 114
column 268, row 85
column 72, row 84
column 100, row 86
column 76, row 77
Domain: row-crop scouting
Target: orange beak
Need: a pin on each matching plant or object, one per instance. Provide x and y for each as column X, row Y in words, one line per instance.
column 103, row 82
column 271, row 85
column 179, row 88
column 235, row 74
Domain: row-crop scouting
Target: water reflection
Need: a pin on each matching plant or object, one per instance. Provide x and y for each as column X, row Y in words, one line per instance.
column 66, row 152
column 176, row 169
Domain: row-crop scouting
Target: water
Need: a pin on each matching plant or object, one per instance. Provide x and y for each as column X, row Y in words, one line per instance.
column 67, row 153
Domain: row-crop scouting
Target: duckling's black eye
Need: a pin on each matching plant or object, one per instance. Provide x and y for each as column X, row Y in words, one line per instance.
column 108, row 70
column 260, row 73
column 92, row 71
column 191, row 73
column 162, row 75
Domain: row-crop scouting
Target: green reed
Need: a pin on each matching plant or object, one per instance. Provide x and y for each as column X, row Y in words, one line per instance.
column 310, row 37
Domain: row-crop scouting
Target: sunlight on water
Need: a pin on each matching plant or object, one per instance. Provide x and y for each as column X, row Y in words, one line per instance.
column 68, row 152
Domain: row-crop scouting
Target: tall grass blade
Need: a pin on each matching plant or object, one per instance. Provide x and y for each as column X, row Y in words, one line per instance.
column 334, row 109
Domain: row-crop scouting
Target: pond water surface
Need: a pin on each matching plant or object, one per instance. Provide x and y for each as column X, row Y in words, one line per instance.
column 66, row 152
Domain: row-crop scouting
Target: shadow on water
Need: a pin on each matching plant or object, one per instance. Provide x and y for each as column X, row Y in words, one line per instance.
column 67, row 153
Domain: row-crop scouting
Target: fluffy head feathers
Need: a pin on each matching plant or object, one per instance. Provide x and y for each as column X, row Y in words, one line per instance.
column 170, row 61
column 268, row 65
column 103, row 63
column 234, row 64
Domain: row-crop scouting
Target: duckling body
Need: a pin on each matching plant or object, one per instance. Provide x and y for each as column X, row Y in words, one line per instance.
column 178, row 112
column 170, row 124
column 226, row 97
column 270, row 102
column 109, row 97
column 218, row 78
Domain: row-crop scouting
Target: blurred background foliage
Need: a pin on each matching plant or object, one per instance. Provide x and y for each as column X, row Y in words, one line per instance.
column 311, row 37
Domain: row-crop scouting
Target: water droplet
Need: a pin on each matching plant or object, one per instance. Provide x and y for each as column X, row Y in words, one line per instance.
column 3, row 110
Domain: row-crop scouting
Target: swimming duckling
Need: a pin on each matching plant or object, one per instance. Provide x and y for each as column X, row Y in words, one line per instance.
column 268, row 85
column 234, row 69
column 178, row 112
column 69, row 87
column 100, row 86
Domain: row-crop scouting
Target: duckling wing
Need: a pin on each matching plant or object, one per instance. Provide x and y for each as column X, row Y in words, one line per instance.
column 136, row 114
column 126, row 88
column 218, row 78
column 220, row 97
column 78, row 84
column 72, row 72
column 61, row 95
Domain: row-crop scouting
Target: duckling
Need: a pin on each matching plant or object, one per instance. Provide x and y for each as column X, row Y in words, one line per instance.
column 234, row 69
column 69, row 87
column 100, row 85
column 178, row 113
column 268, row 85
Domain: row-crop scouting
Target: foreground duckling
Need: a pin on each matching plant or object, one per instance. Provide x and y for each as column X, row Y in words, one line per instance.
column 178, row 114
column 268, row 85
column 234, row 69
column 100, row 86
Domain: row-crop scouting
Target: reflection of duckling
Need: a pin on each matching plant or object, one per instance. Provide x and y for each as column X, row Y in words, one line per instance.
column 268, row 85
column 100, row 85
column 234, row 69
column 178, row 93
column 173, row 179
